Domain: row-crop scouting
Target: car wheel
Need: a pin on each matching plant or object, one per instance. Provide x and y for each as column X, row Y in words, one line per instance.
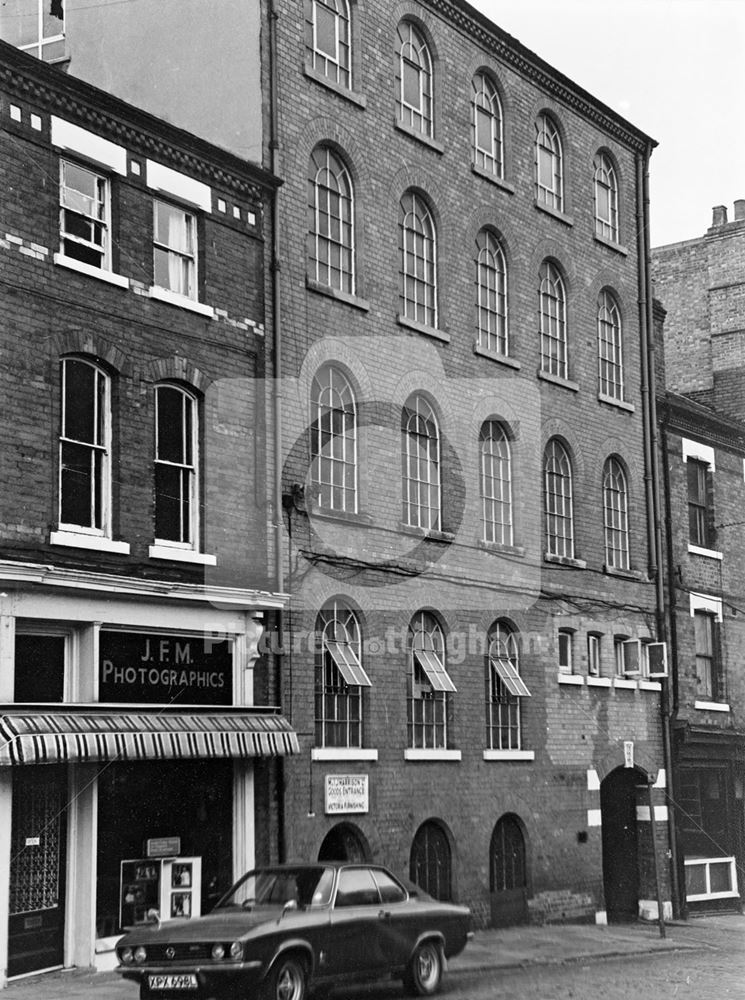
column 424, row 973
column 286, row 980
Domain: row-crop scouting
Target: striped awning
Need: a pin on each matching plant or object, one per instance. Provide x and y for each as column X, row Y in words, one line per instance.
column 90, row 736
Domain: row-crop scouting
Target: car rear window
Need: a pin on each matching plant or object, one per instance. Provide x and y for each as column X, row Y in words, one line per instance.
column 390, row 890
column 356, row 888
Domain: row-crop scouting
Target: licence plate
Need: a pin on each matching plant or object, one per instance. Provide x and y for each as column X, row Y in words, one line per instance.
column 185, row 982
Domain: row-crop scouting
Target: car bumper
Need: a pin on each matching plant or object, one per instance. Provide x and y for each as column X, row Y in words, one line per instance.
column 222, row 982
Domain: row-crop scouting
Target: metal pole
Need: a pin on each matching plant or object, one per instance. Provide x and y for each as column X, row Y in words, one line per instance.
column 660, row 914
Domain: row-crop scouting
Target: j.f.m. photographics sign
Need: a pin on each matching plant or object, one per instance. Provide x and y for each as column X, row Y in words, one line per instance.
column 164, row 669
column 347, row 793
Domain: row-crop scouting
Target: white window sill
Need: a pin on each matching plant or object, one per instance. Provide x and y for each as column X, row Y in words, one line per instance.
column 711, row 706
column 96, row 543
column 418, row 754
column 570, row 679
column 509, row 755
column 649, row 685
column 624, row 682
column 174, row 299
column 599, row 682
column 92, row 272
column 697, row 550
column 343, row 753
column 620, row 404
column 181, row 555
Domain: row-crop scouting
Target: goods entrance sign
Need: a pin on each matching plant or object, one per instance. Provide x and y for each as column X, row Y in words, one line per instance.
column 347, row 793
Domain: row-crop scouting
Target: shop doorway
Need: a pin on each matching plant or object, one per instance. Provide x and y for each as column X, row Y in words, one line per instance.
column 508, row 874
column 431, row 861
column 344, row 842
column 37, row 869
column 620, row 844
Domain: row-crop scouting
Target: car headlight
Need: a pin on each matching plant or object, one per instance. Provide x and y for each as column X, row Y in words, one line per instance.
column 218, row 951
column 140, row 955
column 236, row 950
column 126, row 956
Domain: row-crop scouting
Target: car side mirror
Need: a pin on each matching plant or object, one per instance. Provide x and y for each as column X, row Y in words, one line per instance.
column 291, row 904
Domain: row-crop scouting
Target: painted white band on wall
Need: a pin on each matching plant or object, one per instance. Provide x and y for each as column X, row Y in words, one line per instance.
column 91, row 147
column 179, row 186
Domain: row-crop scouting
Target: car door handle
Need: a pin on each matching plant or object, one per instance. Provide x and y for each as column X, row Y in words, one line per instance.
column 384, row 915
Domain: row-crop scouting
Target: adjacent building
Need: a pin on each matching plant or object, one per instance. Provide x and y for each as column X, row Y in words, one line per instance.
column 137, row 774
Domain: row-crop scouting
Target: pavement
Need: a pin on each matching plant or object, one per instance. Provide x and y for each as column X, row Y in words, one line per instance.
column 507, row 948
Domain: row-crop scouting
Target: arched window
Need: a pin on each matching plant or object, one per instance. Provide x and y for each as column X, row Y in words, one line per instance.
column 331, row 205
column 340, row 678
column 610, row 353
column 505, row 688
column 430, row 864
column 616, row 515
column 496, row 483
column 559, row 502
column 414, row 80
column 327, row 39
column 421, row 465
column 606, row 198
column 417, row 242
column 333, row 441
column 85, row 448
column 553, row 321
column 429, row 684
column 176, row 466
column 491, row 285
column 549, row 169
column 487, row 126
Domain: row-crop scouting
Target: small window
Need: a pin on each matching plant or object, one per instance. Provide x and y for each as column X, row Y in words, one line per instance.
column 549, row 168
column 327, row 39
column 593, row 655
column 610, row 348
column 552, row 315
column 415, row 78
column 626, row 655
column 491, row 287
column 566, row 651
column 487, row 126
column 418, row 249
column 175, row 250
column 176, row 480
column 606, row 198
column 709, row 675
column 331, row 208
column 85, row 215
column 700, row 513
column 420, row 448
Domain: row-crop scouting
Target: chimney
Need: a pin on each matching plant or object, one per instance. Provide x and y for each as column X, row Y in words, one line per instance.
column 719, row 216
column 740, row 210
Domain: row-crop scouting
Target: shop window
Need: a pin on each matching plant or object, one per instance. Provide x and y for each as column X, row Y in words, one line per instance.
column 327, row 39
column 333, row 443
column 39, row 668
column 429, row 684
column 176, row 465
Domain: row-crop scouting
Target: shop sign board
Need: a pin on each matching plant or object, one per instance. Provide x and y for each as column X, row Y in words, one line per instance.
column 347, row 793
column 164, row 669
column 163, row 847
column 628, row 753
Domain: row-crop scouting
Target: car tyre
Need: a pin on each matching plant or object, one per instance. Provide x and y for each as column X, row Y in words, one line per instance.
column 287, row 980
column 424, row 972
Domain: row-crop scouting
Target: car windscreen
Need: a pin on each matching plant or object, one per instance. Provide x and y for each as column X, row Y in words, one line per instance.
column 277, row 886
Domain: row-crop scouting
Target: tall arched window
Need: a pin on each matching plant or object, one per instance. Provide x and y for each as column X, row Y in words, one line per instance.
column 331, row 209
column 420, row 447
column 505, row 688
column 327, row 39
column 558, row 500
column 610, row 353
column 176, row 467
column 496, row 483
column 549, row 168
column 429, row 684
column 606, row 198
column 340, row 678
column 414, row 80
column 487, row 126
column 333, row 441
column 418, row 248
column 552, row 316
column 616, row 515
column 430, row 865
column 491, row 286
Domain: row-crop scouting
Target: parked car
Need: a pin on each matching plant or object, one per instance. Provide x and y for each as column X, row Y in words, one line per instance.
column 285, row 930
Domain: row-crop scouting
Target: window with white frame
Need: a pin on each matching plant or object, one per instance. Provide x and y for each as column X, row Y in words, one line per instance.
column 491, row 287
column 85, row 215
column 176, row 467
column 414, row 82
column 558, row 500
column 418, row 248
column 85, row 448
column 331, row 209
column 496, row 483
column 333, row 441
column 700, row 507
column 420, row 448
column 549, row 169
column 709, row 672
column 35, row 26
column 429, row 684
column 552, row 317
column 566, row 651
column 487, row 126
column 626, row 656
column 340, row 678
column 616, row 514
column 174, row 249
column 327, row 39
column 610, row 346
column 593, row 654
column 505, row 689
column 606, row 198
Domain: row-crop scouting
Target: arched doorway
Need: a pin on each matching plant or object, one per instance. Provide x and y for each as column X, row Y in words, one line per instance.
column 508, row 873
column 620, row 844
column 344, row 842
column 431, row 861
